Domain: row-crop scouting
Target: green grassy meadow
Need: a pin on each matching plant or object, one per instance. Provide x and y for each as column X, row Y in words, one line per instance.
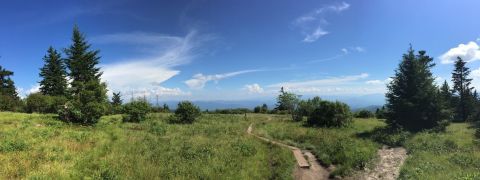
column 37, row 146
column 338, row 146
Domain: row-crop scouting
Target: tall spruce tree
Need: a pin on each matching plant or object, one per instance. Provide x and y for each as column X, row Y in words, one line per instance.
column 462, row 90
column 413, row 101
column 88, row 101
column 9, row 99
column 54, row 82
column 446, row 94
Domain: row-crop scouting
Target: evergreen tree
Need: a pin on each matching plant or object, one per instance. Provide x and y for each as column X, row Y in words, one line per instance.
column 446, row 94
column 54, row 82
column 412, row 99
column 166, row 108
column 117, row 99
column 462, row 90
column 9, row 99
column 88, row 101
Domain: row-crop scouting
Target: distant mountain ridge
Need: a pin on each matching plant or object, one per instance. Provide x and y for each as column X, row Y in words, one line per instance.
column 369, row 102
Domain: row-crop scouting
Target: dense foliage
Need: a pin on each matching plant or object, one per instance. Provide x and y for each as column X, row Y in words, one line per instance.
column 9, row 100
column 53, row 74
column 40, row 103
column 186, row 112
column 330, row 114
column 463, row 93
column 413, row 101
column 136, row 111
column 89, row 100
column 364, row 114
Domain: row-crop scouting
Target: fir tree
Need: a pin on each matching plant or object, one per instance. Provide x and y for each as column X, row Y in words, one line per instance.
column 412, row 98
column 9, row 99
column 446, row 94
column 54, row 82
column 117, row 99
column 88, row 101
column 462, row 90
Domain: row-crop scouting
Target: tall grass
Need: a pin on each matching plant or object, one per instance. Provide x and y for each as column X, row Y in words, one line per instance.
column 34, row 146
column 454, row 154
column 338, row 146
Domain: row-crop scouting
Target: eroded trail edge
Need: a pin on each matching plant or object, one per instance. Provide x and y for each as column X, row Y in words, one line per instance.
column 308, row 168
column 388, row 166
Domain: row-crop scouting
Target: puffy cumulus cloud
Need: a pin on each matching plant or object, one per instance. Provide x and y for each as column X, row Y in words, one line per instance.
column 312, row 24
column 165, row 53
column 468, row 52
column 253, row 88
column 198, row 81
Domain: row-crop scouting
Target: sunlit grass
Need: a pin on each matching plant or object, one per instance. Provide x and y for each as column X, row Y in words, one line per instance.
column 454, row 154
column 39, row 146
column 339, row 146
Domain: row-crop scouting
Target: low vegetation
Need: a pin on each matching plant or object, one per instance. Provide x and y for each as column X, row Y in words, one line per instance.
column 34, row 146
column 338, row 146
column 453, row 154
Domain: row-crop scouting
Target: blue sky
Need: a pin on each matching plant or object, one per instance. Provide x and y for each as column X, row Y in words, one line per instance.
column 243, row 50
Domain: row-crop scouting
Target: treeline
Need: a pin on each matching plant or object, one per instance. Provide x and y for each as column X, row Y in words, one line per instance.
column 71, row 87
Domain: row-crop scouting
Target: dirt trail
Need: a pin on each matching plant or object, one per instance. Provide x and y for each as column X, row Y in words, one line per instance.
column 388, row 167
column 306, row 169
column 309, row 168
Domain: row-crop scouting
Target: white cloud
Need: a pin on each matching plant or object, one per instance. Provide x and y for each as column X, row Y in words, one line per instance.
column 312, row 24
column 139, row 73
column 374, row 82
column 345, row 51
column 468, row 52
column 312, row 37
column 198, row 81
column 152, row 92
column 253, row 88
column 379, row 82
column 476, row 73
column 342, row 85
column 321, row 82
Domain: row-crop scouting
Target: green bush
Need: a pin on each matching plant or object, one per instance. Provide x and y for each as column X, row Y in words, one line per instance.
column 136, row 111
column 330, row 114
column 364, row 114
column 186, row 112
column 37, row 102
column 75, row 112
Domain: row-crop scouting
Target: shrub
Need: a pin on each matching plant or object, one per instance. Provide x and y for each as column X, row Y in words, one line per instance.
column 89, row 113
column 388, row 136
column 136, row 111
column 330, row 114
column 37, row 102
column 186, row 112
column 364, row 114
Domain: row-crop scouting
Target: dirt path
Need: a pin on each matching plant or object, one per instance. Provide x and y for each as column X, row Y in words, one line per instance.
column 307, row 168
column 388, row 167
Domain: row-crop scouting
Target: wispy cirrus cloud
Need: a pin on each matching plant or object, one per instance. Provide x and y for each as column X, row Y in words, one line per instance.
column 146, row 74
column 198, row 81
column 312, row 24
column 351, row 85
column 345, row 51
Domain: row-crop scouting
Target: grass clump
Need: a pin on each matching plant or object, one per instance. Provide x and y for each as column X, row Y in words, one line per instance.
column 453, row 154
